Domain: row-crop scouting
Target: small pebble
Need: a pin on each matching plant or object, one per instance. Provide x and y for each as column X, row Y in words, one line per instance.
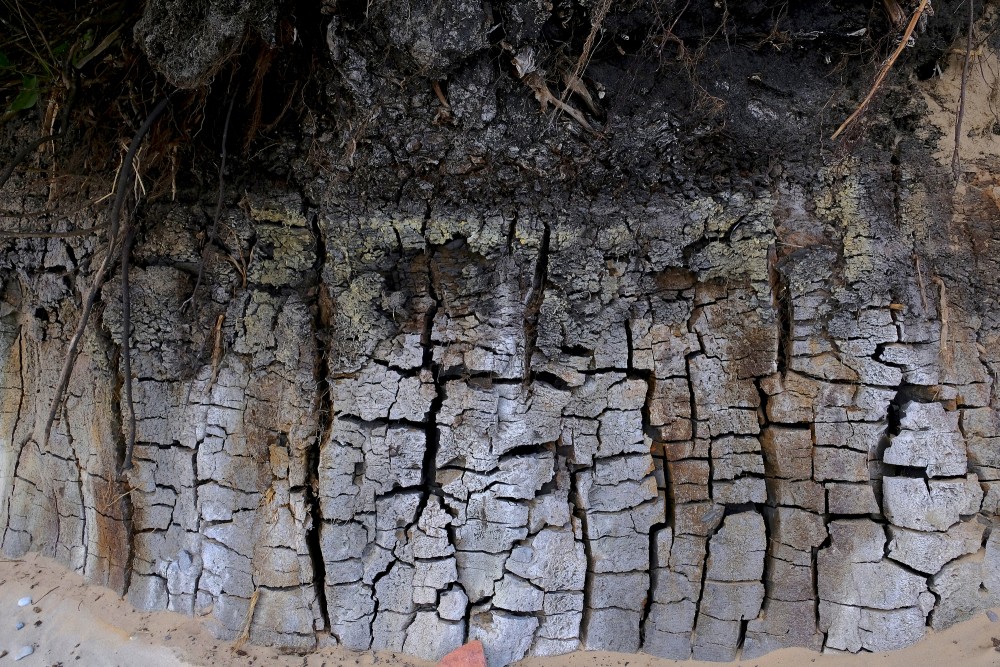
column 24, row 652
column 19, row 625
column 24, row 602
column 992, row 615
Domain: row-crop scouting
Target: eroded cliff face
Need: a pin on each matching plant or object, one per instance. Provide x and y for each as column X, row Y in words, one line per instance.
column 676, row 421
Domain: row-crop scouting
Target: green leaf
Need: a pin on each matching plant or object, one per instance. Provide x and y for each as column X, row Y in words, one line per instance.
column 27, row 97
column 5, row 61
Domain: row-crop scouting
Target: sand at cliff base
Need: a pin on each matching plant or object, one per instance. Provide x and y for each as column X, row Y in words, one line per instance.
column 80, row 624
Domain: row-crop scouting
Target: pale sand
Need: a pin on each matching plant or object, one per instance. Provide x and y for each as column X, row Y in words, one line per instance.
column 80, row 624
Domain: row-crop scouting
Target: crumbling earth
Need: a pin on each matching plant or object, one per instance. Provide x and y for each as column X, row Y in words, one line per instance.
column 697, row 385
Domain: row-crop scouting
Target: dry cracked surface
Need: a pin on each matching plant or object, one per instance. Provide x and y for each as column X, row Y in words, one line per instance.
column 401, row 433
column 491, row 379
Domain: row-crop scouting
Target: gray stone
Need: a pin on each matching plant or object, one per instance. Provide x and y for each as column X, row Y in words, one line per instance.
column 934, row 505
column 882, row 585
column 839, row 464
column 806, row 494
column 929, row 438
column 623, row 591
column 928, row 552
column 859, row 436
column 844, row 498
column 736, row 456
column 787, row 452
column 453, row 605
column 516, row 594
column 544, row 647
column 782, row 624
column 478, row 573
column 852, row 629
column 611, row 629
column 431, row 638
column 553, row 560
column 286, row 618
column 736, row 552
column 891, row 630
column 739, row 491
column 669, row 645
column 859, row 540
column 715, row 640
column 732, row 601
column 505, row 637
column 798, row 528
column 960, row 592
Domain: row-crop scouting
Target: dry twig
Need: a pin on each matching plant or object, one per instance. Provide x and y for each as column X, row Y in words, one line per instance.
column 22, row 154
column 53, row 235
column 943, row 296
column 911, row 26
column 545, row 97
column 248, row 621
column 124, row 181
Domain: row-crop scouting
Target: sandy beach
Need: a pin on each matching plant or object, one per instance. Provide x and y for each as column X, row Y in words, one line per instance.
column 72, row 623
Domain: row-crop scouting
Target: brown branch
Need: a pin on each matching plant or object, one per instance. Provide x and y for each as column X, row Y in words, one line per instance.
column 956, row 158
column 124, row 184
column 22, row 154
column 129, row 232
column 71, row 353
column 885, row 69
column 128, row 170
column 600, row 12
column 53, row 235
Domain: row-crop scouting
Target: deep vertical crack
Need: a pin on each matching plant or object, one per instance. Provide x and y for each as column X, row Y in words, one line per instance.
column 581, row 514
column 781, row 301
column 324, row 403
column 533, row 301
column 428, row 469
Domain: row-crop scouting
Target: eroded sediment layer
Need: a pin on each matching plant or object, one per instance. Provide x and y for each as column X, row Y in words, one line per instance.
column 684, row 430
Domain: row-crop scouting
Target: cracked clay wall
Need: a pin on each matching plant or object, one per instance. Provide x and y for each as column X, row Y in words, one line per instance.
column 473, row 372
column 686, row 431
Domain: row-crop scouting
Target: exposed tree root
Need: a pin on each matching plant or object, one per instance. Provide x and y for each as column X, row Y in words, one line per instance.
column 124, row 182
column 218, row 208
column 904, row 39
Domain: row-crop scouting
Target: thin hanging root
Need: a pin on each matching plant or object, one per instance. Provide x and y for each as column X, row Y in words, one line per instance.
column 127, row 347
column 22, row 154
column 884, row 71
column 599, row 13
column 247, row 622
column 218, row 209
column 124, row 181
